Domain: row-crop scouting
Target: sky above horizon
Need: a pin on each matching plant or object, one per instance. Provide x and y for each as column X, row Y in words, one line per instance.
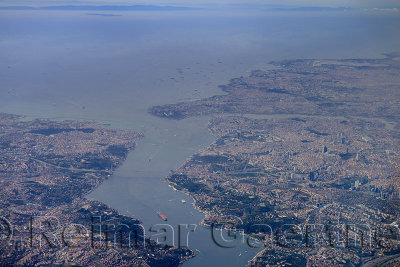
column 291, row 3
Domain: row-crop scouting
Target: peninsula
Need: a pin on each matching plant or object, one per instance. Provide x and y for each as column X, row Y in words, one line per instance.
column 310, row 152
column 46, row 170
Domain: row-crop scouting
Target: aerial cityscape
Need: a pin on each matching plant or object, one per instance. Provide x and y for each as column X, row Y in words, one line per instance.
column 216, row 133
column 303, row 170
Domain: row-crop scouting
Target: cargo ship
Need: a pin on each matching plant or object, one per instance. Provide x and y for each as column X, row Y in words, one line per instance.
column 162, row 216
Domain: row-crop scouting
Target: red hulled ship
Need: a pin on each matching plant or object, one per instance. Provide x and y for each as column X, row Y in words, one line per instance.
column 162, row 216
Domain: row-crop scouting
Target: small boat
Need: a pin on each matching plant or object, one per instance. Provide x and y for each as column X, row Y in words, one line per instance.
column 183, row 201
column 162, row 216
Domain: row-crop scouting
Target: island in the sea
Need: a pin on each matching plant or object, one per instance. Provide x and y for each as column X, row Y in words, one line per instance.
column 46, row 170
column 306, row 159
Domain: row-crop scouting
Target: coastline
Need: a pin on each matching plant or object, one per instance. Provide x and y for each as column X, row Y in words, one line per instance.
column 186, row 192
column 334, row 118
column 202, row 222
column 83, row 156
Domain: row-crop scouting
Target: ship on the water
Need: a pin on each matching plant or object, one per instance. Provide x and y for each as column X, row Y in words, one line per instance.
column 162, row 216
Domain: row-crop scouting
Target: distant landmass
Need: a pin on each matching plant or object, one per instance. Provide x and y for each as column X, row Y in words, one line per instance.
column 103, row 15
column 312, row 8
column 99, row 8
column 169, row 8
